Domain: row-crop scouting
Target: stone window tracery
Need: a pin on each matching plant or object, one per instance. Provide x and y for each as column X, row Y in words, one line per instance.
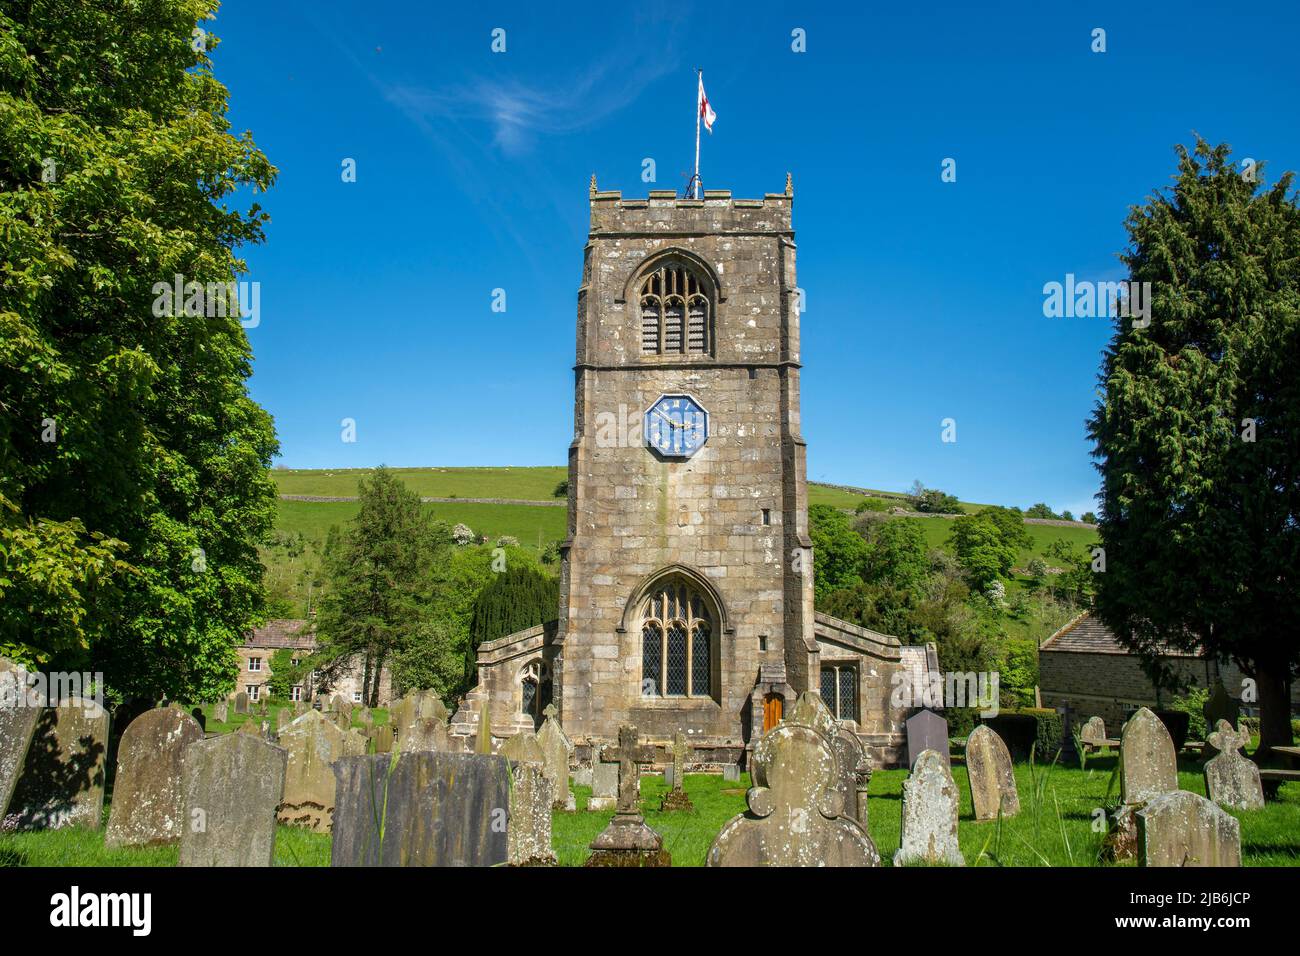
column 676, row 642
column 676, row 312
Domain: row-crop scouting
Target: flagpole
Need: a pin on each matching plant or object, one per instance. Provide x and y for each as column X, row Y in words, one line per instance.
column 699, row 82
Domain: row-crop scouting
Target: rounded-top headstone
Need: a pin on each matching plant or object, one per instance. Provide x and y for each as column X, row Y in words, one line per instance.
column 147, row 798
column 1148, row 763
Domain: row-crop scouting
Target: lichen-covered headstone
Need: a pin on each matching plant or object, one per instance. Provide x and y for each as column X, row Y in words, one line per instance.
column 796, row 816
column 676, row 798
column 221, row 711
column 531, row 796
column 524, row 748
column 147, row 800
column 62, row 781
column 557, row 747
column 992, row 780
column 852, row 760
column 929, row 825
column 20, row 709
column 1185, row 829
column 241, row 703
column 1148, row 764
column 1093, row 732
column 627, row 841
column 313, row 743
column 232, row 785
column 421, row 809
column 1230, row 779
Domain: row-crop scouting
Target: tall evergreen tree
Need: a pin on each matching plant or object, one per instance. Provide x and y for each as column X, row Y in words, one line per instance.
column 518, row 598
column 126, row 421
column 1198, row 431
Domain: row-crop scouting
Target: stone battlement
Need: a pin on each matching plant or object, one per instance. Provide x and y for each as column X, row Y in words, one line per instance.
column 663, row 211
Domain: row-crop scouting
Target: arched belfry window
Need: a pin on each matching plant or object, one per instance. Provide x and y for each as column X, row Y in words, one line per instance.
column 676, row 312
column 677, row 642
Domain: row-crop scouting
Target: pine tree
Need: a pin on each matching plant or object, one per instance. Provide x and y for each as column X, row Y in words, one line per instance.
column 1198, row 431
column 519, row 598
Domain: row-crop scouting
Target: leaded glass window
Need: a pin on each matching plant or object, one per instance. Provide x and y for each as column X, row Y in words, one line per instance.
column 675, row 312
column 676, row 637
column 839, row 687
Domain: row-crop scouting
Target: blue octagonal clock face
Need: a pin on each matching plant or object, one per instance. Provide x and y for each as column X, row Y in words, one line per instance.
column 676, row 426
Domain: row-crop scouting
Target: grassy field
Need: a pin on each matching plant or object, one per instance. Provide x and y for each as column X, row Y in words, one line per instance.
column 536, row 484
column 1054, row 827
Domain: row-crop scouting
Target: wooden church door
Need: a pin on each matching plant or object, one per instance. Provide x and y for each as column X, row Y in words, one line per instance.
column 772, row 710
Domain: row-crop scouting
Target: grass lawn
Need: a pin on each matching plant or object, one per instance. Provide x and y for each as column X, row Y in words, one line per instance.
column 1053, row 829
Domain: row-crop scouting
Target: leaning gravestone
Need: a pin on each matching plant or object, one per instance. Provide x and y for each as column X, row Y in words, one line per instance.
column 796, row 818
column 992, row 781
column 20, row 709
column 929, row 825
column 147, row 795
column 241, row 703
column 1185, row 829
column 854, row 764
column 1148, row 764
column 421, row 809
column 1230, row 779
column 557, row 747
column 232, row 785
column 313, row 743
column 62, row 781
column 926, row 730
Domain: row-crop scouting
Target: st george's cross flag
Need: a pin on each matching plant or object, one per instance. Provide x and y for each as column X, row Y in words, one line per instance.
column 706, row 111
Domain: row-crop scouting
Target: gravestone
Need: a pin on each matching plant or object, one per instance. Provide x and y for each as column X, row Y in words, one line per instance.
column 281, row 719
column 992, row 781
column 421, row 809
column 1148, row 764
column 241, row 703
column 299, row 708
column 796, row 817
column 381, row 739
column 366, row 719
column 926, row 730
column 1230, row 779
column 252, row 727
column 853, row 777
column 20, row 710
column 627, row 841
column 1219, row 706
column 483, row 742
column 531, row 795
column 582, row 777
column 928, row 833
column 62, row 780
column 557, row 747
column 231, row 785
column 313, row 742
column 731, row 772
column 200, row 718
column 221, row 711
column 1185, row 829
column 524, row 748
column 1093, row 732
column 604, row 787
column 676, row 798
column 423, row 733
column 147, row 799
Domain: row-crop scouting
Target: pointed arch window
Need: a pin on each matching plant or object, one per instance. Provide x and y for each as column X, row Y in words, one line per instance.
column 677, row 650
column 676, row 312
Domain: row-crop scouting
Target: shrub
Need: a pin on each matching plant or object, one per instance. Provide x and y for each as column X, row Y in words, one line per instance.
column 1192, row 704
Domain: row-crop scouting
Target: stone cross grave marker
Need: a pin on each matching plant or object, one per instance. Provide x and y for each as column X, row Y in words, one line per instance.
column 926, row 730
column 796, row 817
column 929, row 825
column 231, row 787
column 627, row 833
column 1230, row 779
column 1148, row 764
column 147, row 799
column 62, row 781
column 676, row 798
column 1185, row 829
column 20, row 709
column 992, row 780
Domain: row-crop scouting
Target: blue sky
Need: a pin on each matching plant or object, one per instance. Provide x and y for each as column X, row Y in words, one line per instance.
column 924, row 298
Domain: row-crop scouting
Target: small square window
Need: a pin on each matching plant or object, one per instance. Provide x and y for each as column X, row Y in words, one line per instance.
column 356, row 697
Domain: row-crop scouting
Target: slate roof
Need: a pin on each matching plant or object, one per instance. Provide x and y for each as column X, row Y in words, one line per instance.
column 283, row 633
column 1087, row 634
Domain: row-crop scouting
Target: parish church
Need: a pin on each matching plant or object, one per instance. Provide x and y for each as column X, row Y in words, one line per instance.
column 686, row 590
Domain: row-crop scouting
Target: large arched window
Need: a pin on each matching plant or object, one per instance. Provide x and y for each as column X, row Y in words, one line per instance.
column 676, row 312
column 676, row 642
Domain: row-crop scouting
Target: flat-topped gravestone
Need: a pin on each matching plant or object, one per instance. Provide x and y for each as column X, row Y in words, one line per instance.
column 147, row 800
column 627, row 841
column 221, row 712
column 557, row 747
column 421, row 809
column 676, row 798
column 313, row 742
column 582, row 777
column 62, row 781
column 731, row 772
column 241, row 703
column 992, row 780
column 1148, row 764
column 929, row 825
column 20, row 709
column 796, row 817
column 853, row 777
column 531, row 796
column 604, row 787
column 232, row 786
column 926, row 730
column 1185, row 829
column 1230, row 779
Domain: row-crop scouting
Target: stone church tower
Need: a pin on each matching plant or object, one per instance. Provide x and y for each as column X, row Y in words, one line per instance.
column 686, row 593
